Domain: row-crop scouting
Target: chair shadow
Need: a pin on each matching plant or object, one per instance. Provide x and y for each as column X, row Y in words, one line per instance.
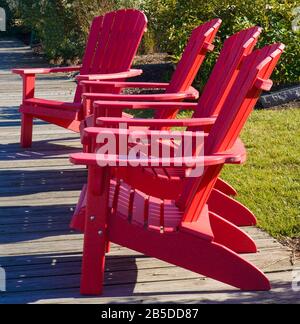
column 26, row 181
column 50, row 276
column 29, row 221
column 56, row 277
column 43, row 149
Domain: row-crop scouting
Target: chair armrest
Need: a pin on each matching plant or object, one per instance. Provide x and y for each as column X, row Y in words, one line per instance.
column 110, row 76
column 46, row 70
column 236, row 155
column 189, row 122
column 92, row 159
column 147, row 97
column 127, row 85
column 144, row 105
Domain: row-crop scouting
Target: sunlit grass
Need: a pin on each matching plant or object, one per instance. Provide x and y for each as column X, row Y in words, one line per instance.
column 269, row 183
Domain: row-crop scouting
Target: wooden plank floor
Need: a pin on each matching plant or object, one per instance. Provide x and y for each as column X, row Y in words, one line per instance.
column 42, row 257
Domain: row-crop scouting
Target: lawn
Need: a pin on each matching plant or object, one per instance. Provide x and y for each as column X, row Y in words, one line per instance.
column 269, row 183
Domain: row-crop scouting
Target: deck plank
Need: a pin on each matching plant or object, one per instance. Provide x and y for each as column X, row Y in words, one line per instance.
column 39, row 189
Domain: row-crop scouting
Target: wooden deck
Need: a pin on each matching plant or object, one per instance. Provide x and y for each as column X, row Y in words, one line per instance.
column 38, row 191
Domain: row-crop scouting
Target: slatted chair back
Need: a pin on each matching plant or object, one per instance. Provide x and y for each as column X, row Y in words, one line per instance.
column 198, row 45
column 112, row 44
column 226, row 70
column 251, row 81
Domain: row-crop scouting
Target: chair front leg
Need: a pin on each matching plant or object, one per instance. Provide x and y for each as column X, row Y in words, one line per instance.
column 95, row 236
column 26, row 130
column 27, row 120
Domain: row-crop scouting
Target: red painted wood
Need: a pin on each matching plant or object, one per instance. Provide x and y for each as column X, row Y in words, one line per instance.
column 225, row 187
column 226, row 71
column 155, row 97
column 179, row 88
column 153, row 123
column 108, row 76
column 189, row 251
column 67, row 69
column 122, row 105
column 230, row 209
column 127, row 85
column 208, row 160
column 28, row 86
column 229, row 235
column 112, row 44
column 156, row 183
column 197, row 240
column 65, row 114
column 199, row 43
column 26, row 133
column 234, row 97
column 96, row 236
column 237, row 108
column 27, row 119
column 67, row 106
column 216, row 91
column 217, row 88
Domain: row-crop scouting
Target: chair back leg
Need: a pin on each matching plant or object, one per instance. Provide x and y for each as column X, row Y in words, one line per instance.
column 26, row 130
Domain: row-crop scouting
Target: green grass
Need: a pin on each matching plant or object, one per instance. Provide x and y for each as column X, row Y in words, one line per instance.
column 269, row 183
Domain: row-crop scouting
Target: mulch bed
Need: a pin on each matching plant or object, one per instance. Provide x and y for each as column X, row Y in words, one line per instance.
column 294, row 245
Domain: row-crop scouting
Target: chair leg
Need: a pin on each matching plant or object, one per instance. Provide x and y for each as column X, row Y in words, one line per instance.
column 230, row 209
column 95, row 236
column 225, row 187
column 93, row 263
column 26, row 130
column 191, row 252
column 229, row 235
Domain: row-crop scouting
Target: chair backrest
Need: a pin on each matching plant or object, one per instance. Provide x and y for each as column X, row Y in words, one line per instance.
column 112, row 44
column 226, row 70
column 253, row 78
column 192, row 58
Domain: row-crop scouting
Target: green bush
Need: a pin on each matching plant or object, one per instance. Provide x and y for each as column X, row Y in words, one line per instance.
column 171, row 21
column 62, row 26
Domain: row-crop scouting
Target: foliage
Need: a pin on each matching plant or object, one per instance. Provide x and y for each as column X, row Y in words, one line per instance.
column 173, row 20
column 62, row 25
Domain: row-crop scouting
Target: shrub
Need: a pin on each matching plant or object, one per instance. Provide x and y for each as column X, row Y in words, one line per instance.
column 62, row 25
column 172, row 21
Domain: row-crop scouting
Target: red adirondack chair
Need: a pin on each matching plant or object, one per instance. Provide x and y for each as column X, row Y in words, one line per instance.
column 180, row 86
column 181, row 232
column 169, row 186
column 112, row 44
column 215, row 92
